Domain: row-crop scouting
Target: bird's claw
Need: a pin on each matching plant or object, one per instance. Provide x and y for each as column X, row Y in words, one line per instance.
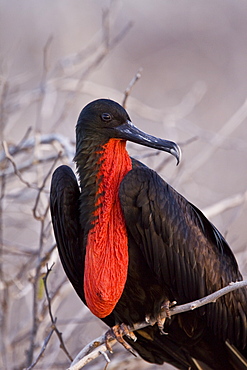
column 117, row 332
column 158, row 319
column 166, row 307
column 161, row 323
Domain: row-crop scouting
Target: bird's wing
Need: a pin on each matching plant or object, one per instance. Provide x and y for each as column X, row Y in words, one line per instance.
column 187, row 254
column 64, row 205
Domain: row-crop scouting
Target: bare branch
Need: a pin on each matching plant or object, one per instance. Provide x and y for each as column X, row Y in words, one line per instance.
column 97, row 346
column 42, row 89
column 45, row 56
column 130, row 86
column 54, row 320
column 225, row 204
column 219, row 138
column 46, row 341
column 90, row 352
column 41, row 189
column 101, row 54
column 43, row 139
column 53, row 325
column 16, row 171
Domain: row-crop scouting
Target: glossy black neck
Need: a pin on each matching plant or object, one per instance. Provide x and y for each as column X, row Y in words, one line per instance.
column 87, row 160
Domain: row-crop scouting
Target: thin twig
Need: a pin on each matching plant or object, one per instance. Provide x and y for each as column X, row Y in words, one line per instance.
column 53, row 326
column 225, row 204
column 45, row 278
column 46, row 341
column 218, row 139
column 41, row 189
column 23, row 140
column 54, row 320
column 42, row 219
column 131, row 85
column 43, row 83
column 44, row 139
column 101, row 54
column 16, row 171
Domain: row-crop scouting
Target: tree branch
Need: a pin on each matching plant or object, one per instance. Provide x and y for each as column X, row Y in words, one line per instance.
column 225, row 204
column 130, row 86
column 97, row 346
column 54, row 320
column 16, row 171
column 237, row 119
column 53, row 326
column 46, row 341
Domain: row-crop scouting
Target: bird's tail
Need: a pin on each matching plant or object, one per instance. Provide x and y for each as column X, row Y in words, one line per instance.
column 205, row 353
column 236, row 358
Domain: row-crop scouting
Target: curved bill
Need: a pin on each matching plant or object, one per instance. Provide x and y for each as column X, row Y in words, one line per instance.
column 128, row 131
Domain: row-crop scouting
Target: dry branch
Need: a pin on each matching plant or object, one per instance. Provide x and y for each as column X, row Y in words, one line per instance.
column 54, row 320
column 28, row 144
column 46, row 341
column 237, row 119
column 53, row 325
column 16, row 171
column 225, row 204
column 97, row 346
column 130, row 86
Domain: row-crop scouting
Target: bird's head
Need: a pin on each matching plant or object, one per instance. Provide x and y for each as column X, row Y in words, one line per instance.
column 104, row 119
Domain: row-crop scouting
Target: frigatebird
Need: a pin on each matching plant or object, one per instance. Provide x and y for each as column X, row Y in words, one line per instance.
column 130, row 244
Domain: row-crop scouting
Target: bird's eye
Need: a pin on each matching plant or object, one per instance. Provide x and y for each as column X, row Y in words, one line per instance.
column 106, row 117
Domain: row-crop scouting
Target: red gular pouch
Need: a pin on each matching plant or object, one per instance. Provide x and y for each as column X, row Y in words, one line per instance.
column 106, row 261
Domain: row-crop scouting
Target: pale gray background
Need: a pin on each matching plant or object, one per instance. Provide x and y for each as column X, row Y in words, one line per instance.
column 194, row 80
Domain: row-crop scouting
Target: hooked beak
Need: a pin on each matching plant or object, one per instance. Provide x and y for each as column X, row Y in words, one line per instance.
column 128, row 131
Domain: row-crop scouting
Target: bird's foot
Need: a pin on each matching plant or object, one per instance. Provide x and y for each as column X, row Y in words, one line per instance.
column 166, row 307
column 159, row 319
column 161, row 323
column 117, row 332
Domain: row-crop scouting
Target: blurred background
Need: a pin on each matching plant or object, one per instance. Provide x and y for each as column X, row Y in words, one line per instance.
column 57, row 56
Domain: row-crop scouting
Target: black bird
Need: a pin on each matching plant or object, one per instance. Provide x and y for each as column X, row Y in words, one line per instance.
column 129, row 244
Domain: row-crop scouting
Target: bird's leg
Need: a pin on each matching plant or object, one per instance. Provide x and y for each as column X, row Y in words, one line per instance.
column 117, row 332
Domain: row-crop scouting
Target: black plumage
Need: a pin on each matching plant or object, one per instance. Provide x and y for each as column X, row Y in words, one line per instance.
column 174, row 252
